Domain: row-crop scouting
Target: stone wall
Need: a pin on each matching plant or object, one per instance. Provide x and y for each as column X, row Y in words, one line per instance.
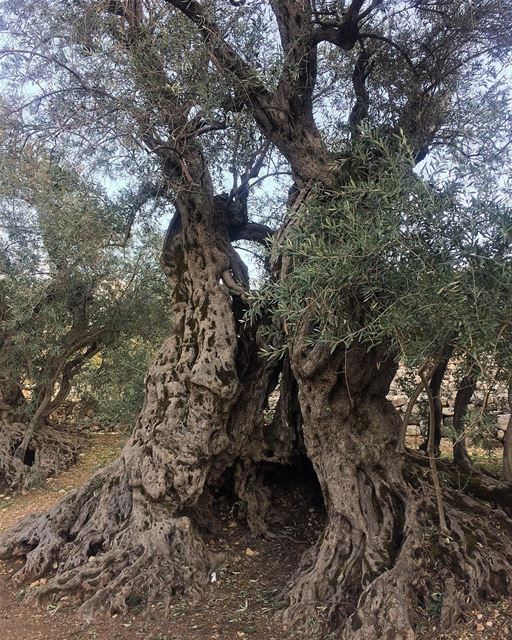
column 493, row 397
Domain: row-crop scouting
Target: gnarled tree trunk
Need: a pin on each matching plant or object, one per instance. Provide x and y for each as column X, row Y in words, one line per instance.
column 133, row 531
column 382, row 557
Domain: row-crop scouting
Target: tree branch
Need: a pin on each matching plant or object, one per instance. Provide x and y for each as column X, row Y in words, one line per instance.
column 285, row 118
column 243, row 76
column 298, row 77
column 251, row 231
column 401, row 50
column 360, row 109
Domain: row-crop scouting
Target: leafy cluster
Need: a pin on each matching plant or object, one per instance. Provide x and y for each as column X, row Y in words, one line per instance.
column 73, row 281
column 392, row 259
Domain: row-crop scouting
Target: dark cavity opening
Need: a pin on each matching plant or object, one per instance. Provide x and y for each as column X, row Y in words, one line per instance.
column 298, row 509
column 297, row 506
column 95, row 548
column 29, row 458
column 299, row 476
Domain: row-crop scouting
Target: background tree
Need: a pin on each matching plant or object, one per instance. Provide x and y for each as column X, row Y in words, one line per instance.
column 71, row 289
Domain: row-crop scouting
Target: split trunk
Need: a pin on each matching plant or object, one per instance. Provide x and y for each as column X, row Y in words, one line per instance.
column 134, row 532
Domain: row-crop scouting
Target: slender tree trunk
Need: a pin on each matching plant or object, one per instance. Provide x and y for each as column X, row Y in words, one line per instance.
column 382, row 552
column 44, row 401
column 436, row 381
column 463, row 396
column 35, row 422
column 410, row 406
column 431, row 457
column 63, row 370
column 29, row 444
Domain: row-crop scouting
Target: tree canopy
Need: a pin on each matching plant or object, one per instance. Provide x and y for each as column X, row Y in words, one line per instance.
column 78, row 279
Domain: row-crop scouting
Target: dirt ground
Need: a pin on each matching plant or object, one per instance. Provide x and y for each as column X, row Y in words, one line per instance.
column 238, row 604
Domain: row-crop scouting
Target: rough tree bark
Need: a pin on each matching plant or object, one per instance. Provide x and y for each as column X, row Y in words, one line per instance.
column 133, row 532
column 382, row 557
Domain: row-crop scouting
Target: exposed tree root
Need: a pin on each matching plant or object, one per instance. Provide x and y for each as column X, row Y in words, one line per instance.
column 380, row 581
column 111, row 546
column 478, row 484
column 51, row 451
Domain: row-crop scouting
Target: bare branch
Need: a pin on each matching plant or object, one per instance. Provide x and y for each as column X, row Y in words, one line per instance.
column 401, row 50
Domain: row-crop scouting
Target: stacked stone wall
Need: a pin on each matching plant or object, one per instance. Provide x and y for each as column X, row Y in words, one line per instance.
column 490, row 402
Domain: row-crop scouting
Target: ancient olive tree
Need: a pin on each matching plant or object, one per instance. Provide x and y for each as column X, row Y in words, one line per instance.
column 406, row 72
column 69, row 291
column 353, row 96
column 137, row 523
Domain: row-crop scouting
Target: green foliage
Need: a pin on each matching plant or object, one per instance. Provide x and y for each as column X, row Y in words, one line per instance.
column 114, row 382
column 389, row 259
column 74, row 283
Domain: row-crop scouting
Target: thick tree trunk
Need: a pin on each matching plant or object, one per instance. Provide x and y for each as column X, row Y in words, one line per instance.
column 133, row 532
column 382, row 558
column 465, row 391
column 35, row 422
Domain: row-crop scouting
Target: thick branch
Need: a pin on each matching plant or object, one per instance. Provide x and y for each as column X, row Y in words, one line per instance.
column 251, row 231
column 360, row 109
column 294, row 20
column 284, row 118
